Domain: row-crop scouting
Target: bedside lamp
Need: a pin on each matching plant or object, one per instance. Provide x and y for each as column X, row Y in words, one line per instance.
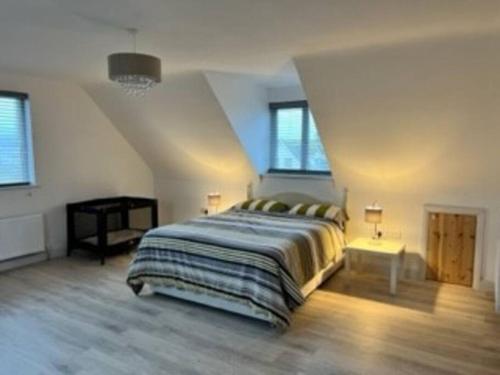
column 214, row 200
column 373, row 215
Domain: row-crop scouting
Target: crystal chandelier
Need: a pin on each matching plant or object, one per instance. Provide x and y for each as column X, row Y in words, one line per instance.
column 135, row 72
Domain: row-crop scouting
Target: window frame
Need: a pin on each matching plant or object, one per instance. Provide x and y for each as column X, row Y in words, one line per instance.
column 274, row 107
column 24, row 97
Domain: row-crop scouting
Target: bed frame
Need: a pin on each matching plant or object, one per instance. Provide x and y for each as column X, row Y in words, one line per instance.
column 290, row 199
column 238, row 308
column 314, row 189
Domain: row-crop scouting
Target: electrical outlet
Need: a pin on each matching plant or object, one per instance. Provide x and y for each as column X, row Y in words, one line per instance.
column 392, row 233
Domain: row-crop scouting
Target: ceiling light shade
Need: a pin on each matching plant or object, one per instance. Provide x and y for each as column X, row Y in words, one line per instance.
column 137, row 73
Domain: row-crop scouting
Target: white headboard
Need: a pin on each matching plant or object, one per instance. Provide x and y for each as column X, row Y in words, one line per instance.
column 292, row 198
column 292, row 190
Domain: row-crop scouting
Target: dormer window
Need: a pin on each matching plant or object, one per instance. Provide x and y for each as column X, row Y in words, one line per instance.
column 16, row 153
column 295, row 143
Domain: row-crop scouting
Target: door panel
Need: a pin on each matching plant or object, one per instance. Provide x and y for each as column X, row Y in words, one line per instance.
column 433, row 245
column 450, row 248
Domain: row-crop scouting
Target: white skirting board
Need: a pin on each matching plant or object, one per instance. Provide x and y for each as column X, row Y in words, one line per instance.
column 23, row 261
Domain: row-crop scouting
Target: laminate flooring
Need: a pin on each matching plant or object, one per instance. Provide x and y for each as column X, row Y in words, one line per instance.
column 73, row 316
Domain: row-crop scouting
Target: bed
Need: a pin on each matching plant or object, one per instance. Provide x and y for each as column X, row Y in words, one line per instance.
column 259, row 264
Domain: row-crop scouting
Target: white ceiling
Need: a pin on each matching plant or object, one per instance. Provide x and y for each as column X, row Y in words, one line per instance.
column 71, row 38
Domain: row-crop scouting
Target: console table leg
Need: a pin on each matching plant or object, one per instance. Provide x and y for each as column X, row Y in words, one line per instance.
column 348, row 261
column 394, row 273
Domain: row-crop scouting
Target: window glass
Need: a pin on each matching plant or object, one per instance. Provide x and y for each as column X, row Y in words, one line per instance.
column 289, row 139
column 295, row 143
column 15, row 140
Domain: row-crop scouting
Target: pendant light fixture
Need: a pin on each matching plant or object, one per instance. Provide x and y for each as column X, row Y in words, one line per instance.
column 136, row 73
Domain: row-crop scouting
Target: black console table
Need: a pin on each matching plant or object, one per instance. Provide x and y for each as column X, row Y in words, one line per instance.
column 109, row 225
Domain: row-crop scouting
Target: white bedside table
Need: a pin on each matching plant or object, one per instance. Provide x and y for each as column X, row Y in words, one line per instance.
column 391, row 249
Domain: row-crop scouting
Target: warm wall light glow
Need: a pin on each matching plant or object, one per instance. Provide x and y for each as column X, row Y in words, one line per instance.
column 375, row 158
column 233, row 167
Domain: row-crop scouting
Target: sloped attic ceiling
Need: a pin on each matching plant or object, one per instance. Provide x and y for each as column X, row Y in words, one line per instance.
column 179, row 128
column 422, row 101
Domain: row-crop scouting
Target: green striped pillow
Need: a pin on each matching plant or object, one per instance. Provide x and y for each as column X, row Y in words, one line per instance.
column 265, row 205
column 323, row 210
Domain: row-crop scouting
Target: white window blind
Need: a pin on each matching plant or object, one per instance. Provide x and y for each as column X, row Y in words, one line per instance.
column 295, row 142
column 15, row 140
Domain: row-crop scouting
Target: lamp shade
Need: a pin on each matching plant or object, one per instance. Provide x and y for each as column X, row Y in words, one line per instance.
column 373, row 214
column 136, row 72
column 214, row 199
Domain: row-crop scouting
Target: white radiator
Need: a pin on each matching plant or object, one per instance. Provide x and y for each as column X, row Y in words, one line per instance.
column 19, row 236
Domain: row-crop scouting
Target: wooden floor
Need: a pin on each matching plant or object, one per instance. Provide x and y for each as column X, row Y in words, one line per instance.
column 72, row 316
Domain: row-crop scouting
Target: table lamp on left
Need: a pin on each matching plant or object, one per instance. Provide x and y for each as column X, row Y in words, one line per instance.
column 214, row 200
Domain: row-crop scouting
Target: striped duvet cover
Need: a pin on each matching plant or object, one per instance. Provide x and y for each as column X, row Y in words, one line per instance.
column 254, row 258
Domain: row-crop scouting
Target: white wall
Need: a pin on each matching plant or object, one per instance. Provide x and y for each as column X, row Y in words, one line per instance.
column 497, row 279
column 184, row 135
column 183, row 199
column 78, row 155
column 285, row 93
column 409, row 124
column 245, row 103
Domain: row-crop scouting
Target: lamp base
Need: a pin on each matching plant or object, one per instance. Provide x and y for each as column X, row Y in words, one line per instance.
column 377, row 234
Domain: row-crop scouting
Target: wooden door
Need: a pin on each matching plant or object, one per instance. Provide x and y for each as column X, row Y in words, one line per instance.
column 451, row 242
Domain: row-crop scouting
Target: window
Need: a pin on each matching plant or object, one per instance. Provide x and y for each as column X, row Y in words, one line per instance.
column 16, row 163
column 295, row 143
